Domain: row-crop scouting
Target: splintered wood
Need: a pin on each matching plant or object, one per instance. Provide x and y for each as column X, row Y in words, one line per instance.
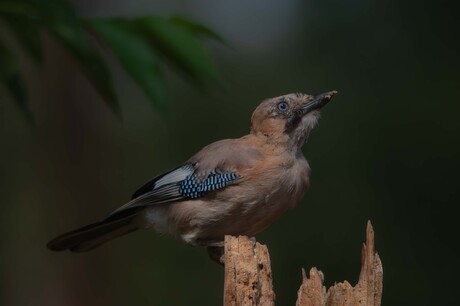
column 368, row 290
column 248, row 278
column 248, row 274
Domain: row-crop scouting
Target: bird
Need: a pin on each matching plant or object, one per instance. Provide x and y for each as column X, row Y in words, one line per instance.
column 230, row 187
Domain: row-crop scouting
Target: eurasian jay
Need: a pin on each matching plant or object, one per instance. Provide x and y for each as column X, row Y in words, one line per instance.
column 230, row 187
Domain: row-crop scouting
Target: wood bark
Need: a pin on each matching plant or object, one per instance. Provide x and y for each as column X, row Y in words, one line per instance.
column 248, row 278
column 248, row 274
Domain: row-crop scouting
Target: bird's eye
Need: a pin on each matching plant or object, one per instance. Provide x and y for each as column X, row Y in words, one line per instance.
column 283, row 106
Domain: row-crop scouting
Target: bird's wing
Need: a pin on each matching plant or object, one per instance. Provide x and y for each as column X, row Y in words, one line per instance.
column 216, row 166
column 166, row 179
column 184, row 182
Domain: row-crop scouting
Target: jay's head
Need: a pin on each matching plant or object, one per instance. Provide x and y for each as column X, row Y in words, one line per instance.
column 288, row 119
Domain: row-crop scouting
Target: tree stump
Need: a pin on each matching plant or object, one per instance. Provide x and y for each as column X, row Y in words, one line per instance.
column 248, row 273
column 248, row 278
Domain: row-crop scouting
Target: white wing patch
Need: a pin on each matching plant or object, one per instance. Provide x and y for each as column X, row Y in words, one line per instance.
column 175, row 176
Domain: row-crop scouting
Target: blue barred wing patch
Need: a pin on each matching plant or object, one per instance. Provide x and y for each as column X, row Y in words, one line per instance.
column 192, row 188
column 177, row 184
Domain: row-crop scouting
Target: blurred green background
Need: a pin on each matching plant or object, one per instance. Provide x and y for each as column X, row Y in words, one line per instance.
column 386, row 149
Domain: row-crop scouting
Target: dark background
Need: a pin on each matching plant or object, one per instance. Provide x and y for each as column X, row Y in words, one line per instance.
column 386, row 149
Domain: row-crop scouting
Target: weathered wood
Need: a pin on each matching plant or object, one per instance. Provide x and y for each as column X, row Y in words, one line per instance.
column 248, row 278
column 312, row 291
column 368, row 290
column 248, row 274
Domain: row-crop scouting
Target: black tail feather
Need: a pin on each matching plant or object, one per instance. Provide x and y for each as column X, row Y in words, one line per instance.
column 91, row 236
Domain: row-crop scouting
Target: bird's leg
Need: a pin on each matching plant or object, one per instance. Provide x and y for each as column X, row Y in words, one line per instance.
column 215, row 249
column 209, row 242
column 216, row 254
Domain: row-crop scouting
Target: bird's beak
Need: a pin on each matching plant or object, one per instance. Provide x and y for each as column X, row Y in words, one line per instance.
column 318, row 101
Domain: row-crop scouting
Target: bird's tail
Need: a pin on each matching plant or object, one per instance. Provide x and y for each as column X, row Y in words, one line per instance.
column 91, row 236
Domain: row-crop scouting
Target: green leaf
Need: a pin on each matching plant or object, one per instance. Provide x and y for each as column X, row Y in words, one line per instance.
column 9, row 74
column 19, row 7
column 62, row 22
column 135, row 55
column 27, row 31
column 23, row 18
column 179, row 46
column 136, row 43
column 196, row 28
